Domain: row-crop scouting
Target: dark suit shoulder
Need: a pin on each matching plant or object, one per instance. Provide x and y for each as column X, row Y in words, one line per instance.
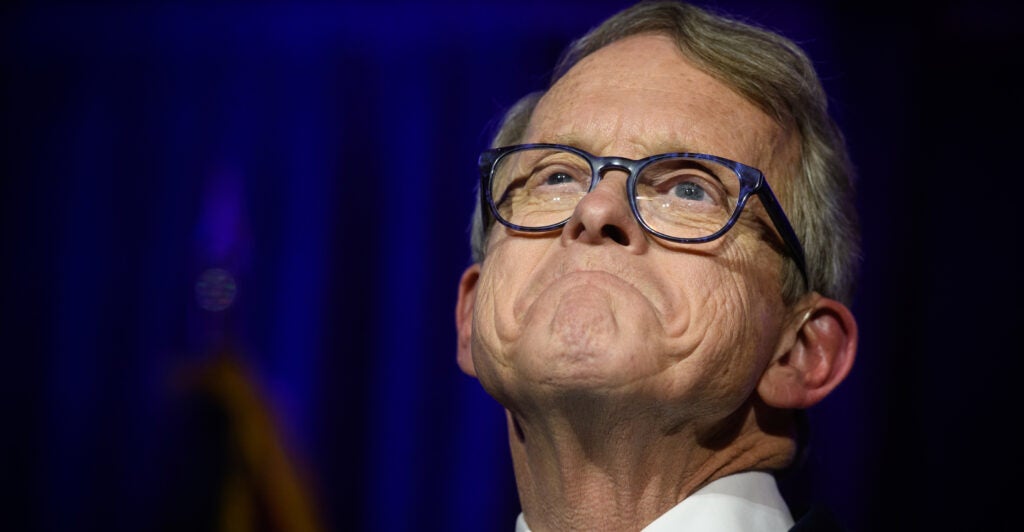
column 818, row 519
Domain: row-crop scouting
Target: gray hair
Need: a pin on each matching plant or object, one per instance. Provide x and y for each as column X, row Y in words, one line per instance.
column 774, row 74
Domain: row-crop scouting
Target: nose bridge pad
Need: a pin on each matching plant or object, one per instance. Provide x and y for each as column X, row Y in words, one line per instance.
column 603, row 170
column 609, row 228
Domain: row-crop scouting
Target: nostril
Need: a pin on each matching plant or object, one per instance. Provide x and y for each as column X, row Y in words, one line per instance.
column 615, row 233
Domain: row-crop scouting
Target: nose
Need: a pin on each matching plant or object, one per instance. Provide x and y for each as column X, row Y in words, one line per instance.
column 604, row 216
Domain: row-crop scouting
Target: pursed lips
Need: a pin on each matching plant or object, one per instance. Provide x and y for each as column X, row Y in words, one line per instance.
column 600, row 269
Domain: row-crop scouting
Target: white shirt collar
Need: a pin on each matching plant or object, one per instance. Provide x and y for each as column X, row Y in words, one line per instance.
column 744, row 501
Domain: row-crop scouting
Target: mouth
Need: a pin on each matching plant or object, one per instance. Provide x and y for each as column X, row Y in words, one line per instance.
column 601, row 277
column 569, row 274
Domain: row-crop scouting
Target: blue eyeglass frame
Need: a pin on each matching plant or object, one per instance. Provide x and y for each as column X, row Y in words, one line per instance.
column 752, row 181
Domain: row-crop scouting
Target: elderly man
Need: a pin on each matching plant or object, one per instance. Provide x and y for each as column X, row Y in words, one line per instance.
column 640, row 303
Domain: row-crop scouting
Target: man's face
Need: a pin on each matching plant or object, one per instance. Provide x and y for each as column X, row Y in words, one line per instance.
column 605, row 309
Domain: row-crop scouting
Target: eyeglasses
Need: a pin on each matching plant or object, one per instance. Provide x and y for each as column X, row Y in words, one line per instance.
column 680, row 197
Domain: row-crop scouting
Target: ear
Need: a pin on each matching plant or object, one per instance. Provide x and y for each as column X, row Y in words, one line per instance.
column 815, row 355
column 464, row 318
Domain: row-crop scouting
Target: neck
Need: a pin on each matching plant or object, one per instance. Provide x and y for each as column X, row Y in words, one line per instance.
column 623, row 475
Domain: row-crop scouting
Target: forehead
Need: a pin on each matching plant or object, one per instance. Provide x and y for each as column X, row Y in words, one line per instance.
column 640, row 96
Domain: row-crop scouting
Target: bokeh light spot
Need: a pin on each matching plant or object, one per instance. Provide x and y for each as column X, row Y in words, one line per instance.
column 216, row 289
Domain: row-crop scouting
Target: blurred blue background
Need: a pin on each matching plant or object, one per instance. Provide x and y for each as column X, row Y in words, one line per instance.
column 233, row 231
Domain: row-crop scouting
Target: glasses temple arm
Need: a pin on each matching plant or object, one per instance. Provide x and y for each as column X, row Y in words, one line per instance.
column 789, row 238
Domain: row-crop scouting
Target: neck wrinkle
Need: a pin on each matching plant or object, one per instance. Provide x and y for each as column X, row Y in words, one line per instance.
column 624, row 480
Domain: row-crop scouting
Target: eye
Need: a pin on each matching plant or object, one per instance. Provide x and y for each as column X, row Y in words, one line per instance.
column 689, row 190
column 684, row 185
column 558, row 178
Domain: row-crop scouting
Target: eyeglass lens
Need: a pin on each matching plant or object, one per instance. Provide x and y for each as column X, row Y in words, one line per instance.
column 678, row 196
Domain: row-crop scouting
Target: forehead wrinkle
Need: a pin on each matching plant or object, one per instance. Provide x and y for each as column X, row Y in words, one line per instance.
column 628, row 100
column 619, row 134
column 647, row 139
column 613, row 136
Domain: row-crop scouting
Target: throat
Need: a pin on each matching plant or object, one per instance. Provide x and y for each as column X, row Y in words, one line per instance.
column 617, row 472
column 611, row 477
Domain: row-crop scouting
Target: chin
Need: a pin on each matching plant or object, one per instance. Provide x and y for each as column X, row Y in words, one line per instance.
column 581, row 368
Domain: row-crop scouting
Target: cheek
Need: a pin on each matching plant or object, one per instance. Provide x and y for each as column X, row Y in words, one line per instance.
column 748, row 301
column 502, row 276
column 730, row 338
column 487, row 349
column 706, row 299
column 507, row 274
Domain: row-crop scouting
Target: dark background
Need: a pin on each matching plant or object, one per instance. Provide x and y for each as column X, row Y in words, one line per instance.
column 323, row 154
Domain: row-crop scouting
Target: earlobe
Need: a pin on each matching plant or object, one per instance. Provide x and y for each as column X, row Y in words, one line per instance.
column 817, row 356
column 464, row 318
